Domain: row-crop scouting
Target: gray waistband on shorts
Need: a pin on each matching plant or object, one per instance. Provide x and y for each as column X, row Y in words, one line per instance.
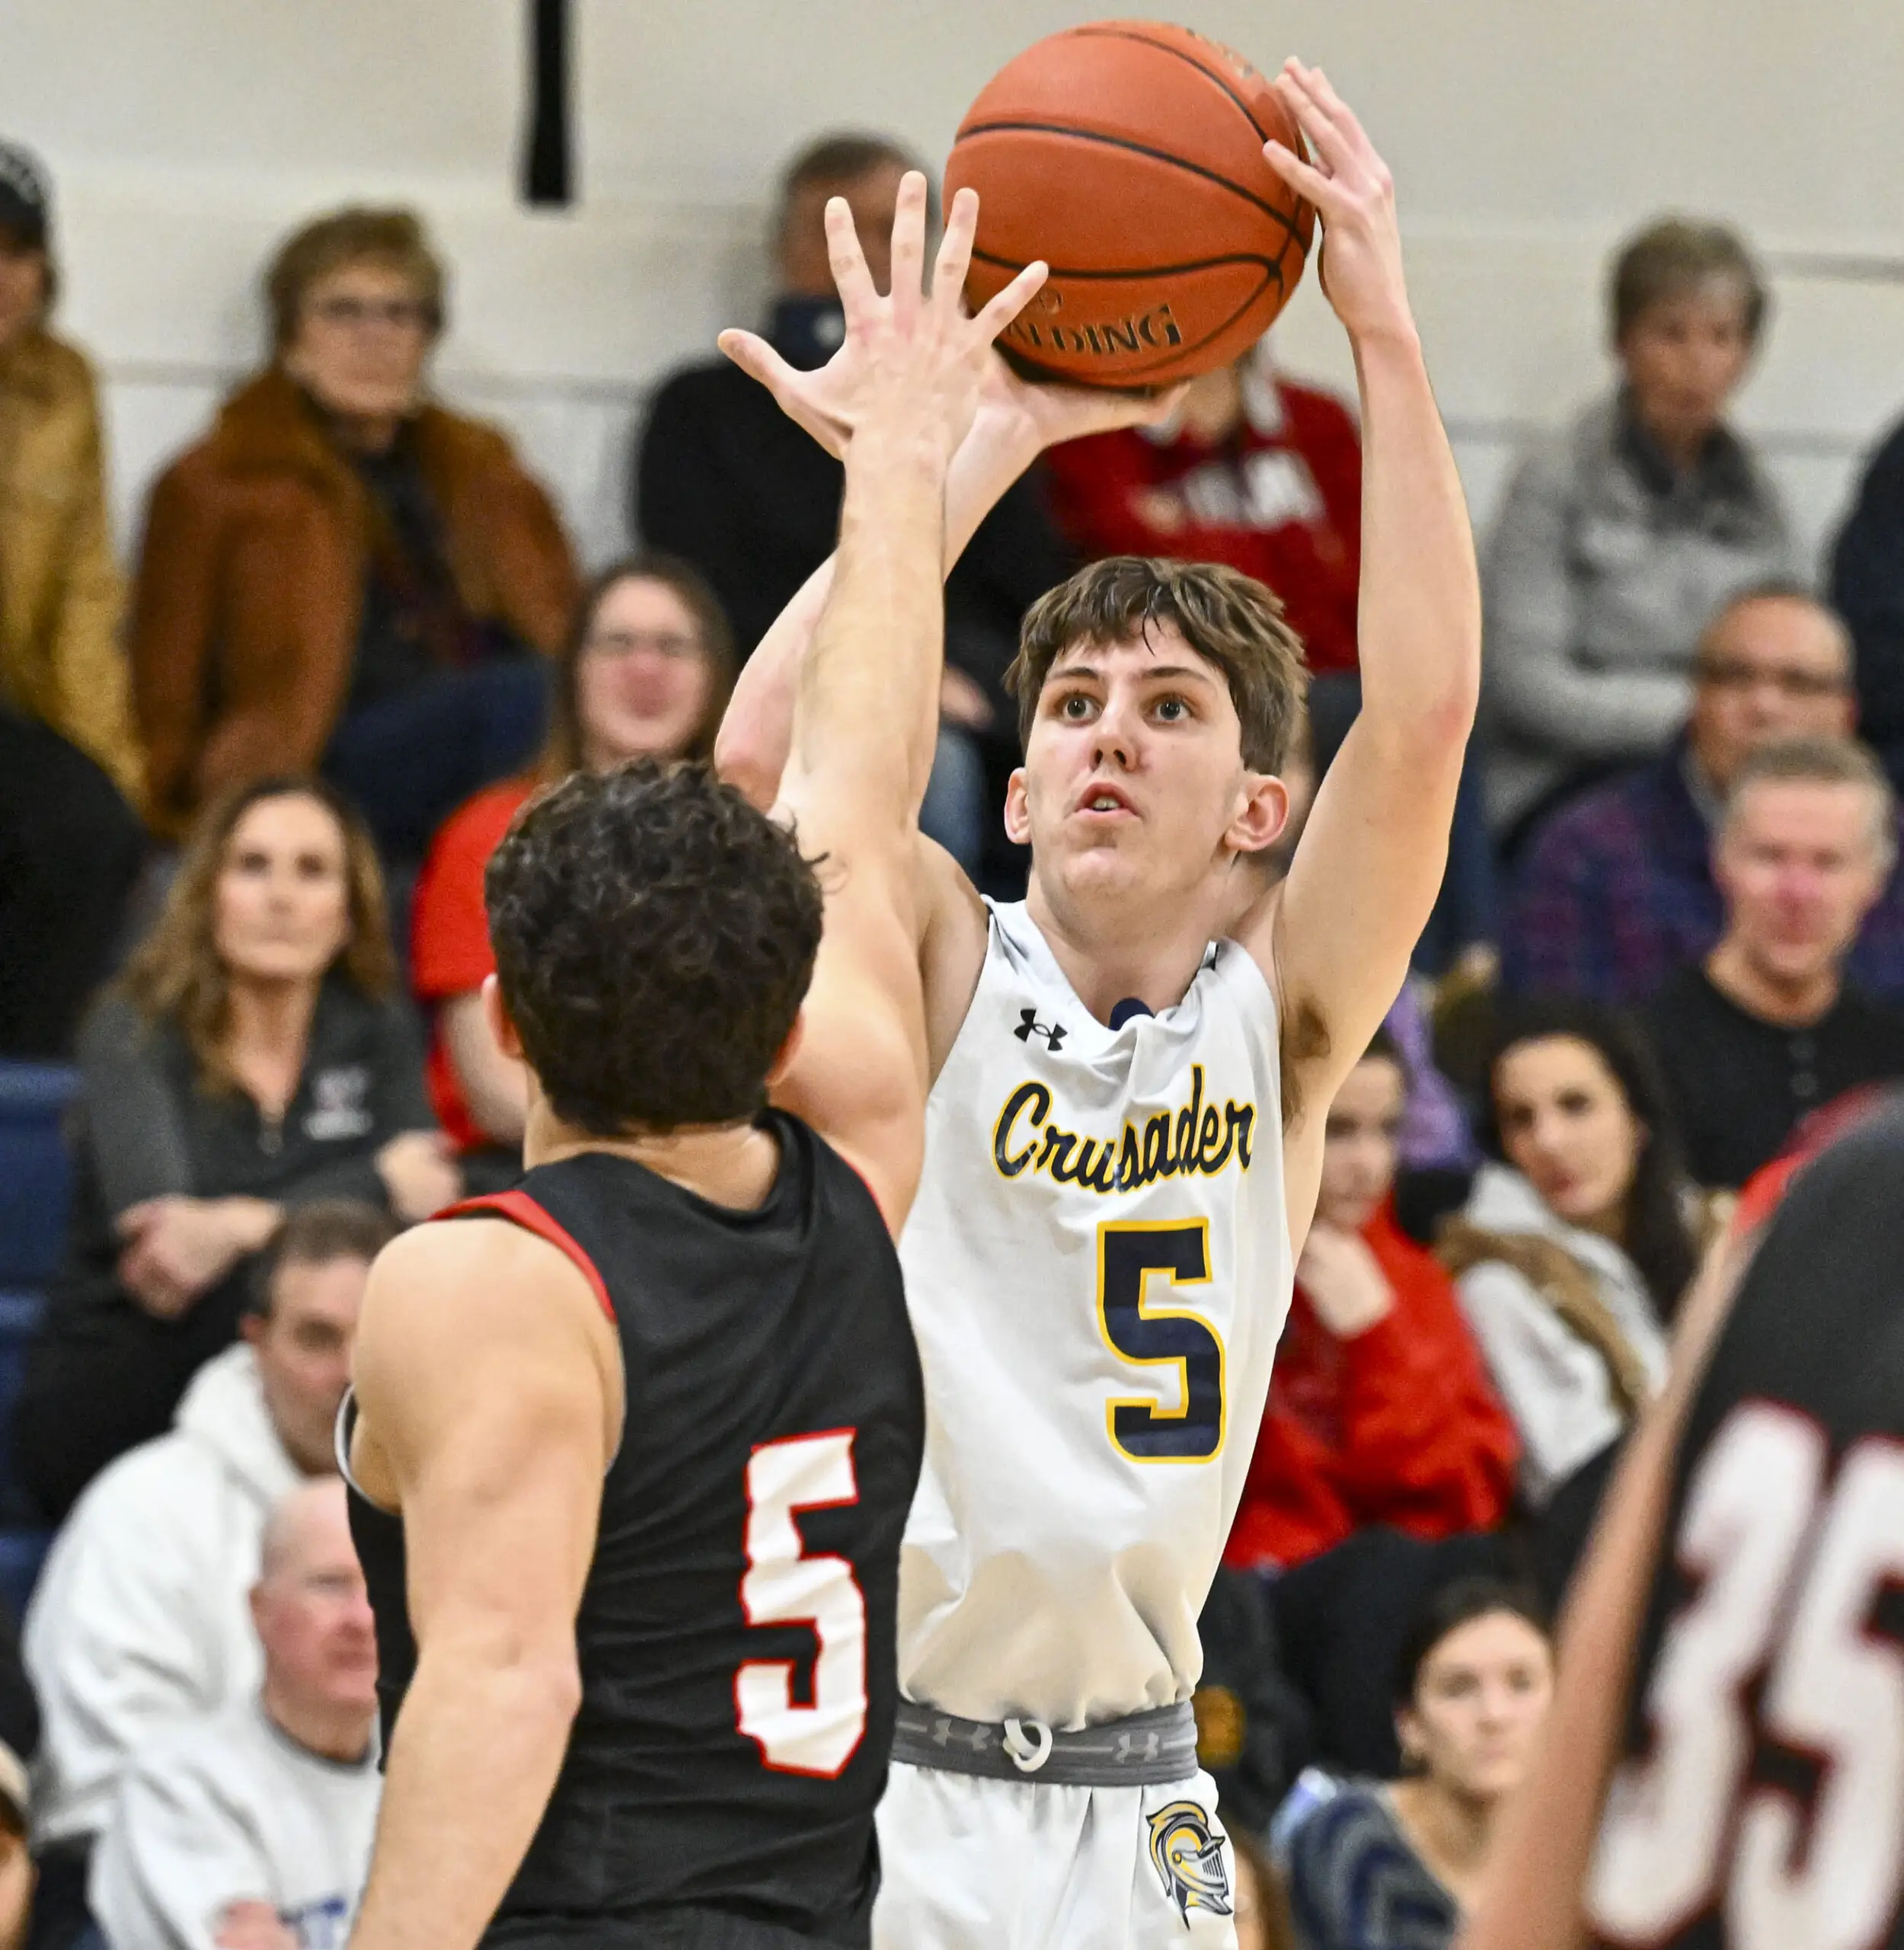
column 1145, row 1750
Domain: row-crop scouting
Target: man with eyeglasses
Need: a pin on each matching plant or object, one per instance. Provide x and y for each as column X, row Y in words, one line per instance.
column 1616, row 893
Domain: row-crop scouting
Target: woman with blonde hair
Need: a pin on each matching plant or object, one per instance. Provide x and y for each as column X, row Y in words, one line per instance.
column 255, row 1055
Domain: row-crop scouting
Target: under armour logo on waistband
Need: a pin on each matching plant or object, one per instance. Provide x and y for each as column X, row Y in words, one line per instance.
column 975, row 1737
column 1029, row 1026
column 1139, row 1747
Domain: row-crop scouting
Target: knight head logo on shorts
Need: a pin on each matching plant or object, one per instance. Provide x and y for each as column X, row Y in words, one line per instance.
column 1189, row 1859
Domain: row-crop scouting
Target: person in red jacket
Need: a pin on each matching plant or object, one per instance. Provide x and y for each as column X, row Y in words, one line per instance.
column 1379, row 1410
column 1251, row 471
column 645, row 673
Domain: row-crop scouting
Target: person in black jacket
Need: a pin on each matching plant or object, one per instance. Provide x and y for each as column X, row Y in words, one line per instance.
column 1868, row 590
column 725, row 479
column 256, row 1055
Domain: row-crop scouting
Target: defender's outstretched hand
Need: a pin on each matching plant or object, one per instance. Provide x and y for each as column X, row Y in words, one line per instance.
column 1350, row 186
column 920, row 342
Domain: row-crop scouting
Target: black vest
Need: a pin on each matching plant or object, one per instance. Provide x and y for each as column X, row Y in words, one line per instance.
column 1765, row 1735
column 737, row 1630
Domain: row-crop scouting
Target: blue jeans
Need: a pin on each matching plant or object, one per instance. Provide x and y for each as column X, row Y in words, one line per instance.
column 408, row 762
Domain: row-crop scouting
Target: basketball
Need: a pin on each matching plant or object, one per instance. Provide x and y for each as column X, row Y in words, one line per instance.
column 1129, row 155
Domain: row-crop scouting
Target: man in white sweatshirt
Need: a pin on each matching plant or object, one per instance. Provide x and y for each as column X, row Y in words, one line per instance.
column 140, row 1617
column 251, row 1829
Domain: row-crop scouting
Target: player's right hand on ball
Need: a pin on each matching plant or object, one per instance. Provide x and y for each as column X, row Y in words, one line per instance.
column 910, row 352
column 1351, row 188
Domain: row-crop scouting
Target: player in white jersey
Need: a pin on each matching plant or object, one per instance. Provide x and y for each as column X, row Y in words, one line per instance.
column 1133, row 1069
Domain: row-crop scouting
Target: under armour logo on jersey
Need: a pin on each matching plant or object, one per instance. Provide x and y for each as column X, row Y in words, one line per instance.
column 1029, row 1026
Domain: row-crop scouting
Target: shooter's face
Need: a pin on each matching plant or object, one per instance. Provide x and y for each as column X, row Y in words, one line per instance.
column 1133, row 782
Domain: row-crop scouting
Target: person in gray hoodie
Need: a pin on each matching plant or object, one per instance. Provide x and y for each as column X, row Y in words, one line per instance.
column 141, row 1619
column 1621, row 533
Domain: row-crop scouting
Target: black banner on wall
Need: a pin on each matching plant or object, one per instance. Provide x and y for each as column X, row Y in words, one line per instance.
column 547, row 174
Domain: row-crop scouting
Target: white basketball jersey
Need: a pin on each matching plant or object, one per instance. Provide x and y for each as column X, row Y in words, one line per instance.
column 1098, row 1268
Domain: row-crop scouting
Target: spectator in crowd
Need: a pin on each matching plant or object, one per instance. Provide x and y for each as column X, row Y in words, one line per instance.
column 70, row 771
column 1261, row 1902
column 252, row 1830
column 252, row 1059
column 1768, row 1027
column 342, row 574
column 1253, row 1728
column 1621, row 533
column 1251, row 470
column 19, row 1739
column 645, row 673
column 1379, row 1410
column 725, row 480
column 1867, row 587
column 1616, row 893
column 139, row 1617
column 1572, row 1250
column 1396, row 1866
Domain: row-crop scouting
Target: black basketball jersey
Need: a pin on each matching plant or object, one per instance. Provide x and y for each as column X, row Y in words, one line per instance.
column 736, row 1633
column 1760, row 1804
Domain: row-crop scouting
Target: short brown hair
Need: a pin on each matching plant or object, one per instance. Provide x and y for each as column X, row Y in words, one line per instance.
column 1674, row 256
column 1228, row 618
column 316, row 1233
column 562, row 753
column 1823, row 762
column 843, row 156
column 175, row 974
column 351, row 236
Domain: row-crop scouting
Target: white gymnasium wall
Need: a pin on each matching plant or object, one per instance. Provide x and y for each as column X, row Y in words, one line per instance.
column 187, row 134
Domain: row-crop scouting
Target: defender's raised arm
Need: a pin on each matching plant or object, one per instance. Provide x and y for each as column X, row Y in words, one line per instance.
column 865, row 702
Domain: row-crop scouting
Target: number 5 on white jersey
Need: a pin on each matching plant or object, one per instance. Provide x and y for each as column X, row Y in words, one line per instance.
column 781, row 1586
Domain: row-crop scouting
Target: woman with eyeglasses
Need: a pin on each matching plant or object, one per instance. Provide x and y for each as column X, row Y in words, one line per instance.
column 645, row 673
column 342, row 575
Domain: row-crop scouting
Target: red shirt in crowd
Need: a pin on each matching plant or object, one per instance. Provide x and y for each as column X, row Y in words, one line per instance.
column 449, row 951
column 1396, row 1425
column 1280, row 498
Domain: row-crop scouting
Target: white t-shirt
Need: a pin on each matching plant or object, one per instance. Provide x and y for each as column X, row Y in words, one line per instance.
column 1098, row 1268
column 230, row 1810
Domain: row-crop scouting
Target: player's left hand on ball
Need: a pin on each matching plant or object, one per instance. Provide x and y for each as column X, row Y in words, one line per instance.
column 1354, row 195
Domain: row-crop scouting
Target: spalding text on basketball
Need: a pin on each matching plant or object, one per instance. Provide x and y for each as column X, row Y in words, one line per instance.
column 1108, row 338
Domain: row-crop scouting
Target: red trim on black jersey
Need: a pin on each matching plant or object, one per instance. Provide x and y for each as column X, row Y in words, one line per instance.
column 520, row 1210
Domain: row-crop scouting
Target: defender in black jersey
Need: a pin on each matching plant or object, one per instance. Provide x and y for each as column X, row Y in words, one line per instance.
column 1725, row 1766
column 631, row 1447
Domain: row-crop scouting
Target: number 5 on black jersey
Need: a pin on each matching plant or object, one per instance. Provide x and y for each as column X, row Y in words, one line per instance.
column 1129, row 1255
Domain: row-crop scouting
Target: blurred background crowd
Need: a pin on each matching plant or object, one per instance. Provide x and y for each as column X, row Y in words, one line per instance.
column 255, row 751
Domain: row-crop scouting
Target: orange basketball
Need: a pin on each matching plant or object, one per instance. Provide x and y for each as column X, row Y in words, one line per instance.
column 1129, row 155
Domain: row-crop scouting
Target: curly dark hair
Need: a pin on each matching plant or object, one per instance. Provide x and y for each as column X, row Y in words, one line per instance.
column 654, row 938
